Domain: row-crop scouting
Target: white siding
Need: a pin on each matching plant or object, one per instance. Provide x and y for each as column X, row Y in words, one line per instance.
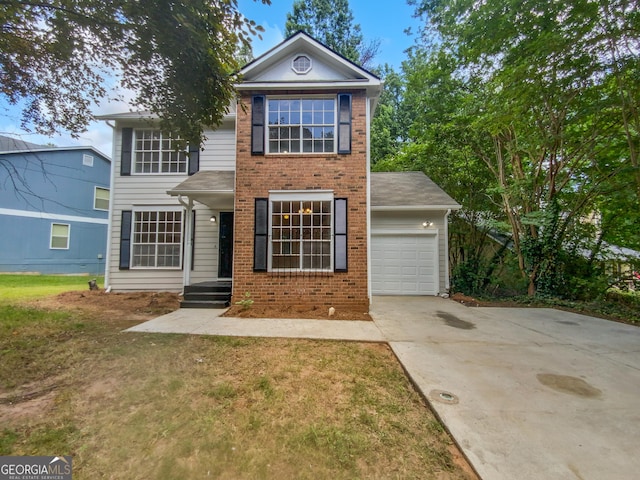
column 136, row 191
column 411, row 221
column 219, row 149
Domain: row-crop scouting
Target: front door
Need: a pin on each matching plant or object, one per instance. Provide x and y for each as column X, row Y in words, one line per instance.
column 225, row 260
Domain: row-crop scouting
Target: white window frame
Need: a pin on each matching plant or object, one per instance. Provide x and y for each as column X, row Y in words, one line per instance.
column 136, row 242
column 303, row 71
column 161, row 157
column 95, row 198
column 301, row 125
column 301, row 196
column 68, row 236
column 87, row 160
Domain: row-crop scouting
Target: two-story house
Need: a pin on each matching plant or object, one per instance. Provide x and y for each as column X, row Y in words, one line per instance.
column 54, row 206
column 279, row 199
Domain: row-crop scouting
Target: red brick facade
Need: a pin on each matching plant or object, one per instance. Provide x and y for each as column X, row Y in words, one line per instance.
column 346, row 175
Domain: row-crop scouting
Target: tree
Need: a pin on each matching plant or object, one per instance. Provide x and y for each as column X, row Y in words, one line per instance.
column 547, row 102
column 178, row 56
column 389, row 126
column 331, row 22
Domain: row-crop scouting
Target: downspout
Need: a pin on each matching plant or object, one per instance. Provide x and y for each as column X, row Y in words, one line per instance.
column 112, row 178
column 186, row 266
column 447, row 283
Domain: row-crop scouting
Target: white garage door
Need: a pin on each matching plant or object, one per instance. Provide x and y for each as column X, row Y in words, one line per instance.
column 404, row 264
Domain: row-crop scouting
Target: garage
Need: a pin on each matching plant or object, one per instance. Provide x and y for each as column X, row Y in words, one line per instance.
column 404, row 264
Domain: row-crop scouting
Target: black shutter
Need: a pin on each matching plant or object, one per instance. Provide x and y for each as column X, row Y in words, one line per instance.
column 193, row 241
column 125, row 239
column 344, row 123
column 194, row 157
column 257, row 124
column 340, row 235
column 125, row 156
column 260, row 237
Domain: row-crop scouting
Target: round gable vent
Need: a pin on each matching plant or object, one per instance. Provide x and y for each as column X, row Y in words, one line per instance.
column 301, row 64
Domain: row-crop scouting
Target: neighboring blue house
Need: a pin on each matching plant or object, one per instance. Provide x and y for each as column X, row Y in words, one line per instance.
column 54, row 208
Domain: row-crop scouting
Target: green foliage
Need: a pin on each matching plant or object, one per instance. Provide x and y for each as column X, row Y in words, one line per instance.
column 331, row 22
column 177, row 56
column 246, row 301
column 539, row 119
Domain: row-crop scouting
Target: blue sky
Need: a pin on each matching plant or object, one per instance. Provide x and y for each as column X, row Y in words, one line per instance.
column 385, row 21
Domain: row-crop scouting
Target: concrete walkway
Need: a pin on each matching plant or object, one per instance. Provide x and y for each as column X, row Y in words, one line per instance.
column 526, row 393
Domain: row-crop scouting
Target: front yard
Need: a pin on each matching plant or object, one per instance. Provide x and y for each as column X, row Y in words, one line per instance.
column 131, row 405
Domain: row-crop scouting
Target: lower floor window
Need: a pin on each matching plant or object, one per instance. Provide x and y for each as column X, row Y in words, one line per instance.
column 157, row 239
column 301, row 235
column 60, row 236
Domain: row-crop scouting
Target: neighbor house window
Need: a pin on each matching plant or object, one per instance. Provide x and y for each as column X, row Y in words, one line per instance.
column 157, row 239
column 301, row 233
column 87, row 160
column 155, row 152
column 301, row 125
column 101, row 199
column 60, row 236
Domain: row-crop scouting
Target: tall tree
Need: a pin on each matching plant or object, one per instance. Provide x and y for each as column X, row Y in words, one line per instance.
column 331, row 22
column 389, row 125
column 178, row 57
column 549, row 108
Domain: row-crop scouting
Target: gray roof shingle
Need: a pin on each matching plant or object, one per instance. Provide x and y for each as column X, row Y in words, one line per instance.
column 408, row 189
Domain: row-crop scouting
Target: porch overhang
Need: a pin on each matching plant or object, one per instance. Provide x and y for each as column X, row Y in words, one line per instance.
column 213, row 188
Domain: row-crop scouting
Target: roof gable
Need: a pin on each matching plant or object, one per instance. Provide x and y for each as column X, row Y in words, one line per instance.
column 274, row 69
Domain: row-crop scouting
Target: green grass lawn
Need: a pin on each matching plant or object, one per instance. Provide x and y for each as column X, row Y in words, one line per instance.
column 159, row 406
column 26, row 287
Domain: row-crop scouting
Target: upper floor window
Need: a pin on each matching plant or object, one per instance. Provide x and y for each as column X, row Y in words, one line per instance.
column 101, row 199
column 154, row 152
column 301, row 125
column 301, row 64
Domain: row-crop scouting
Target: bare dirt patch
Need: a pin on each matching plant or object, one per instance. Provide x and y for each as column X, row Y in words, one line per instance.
column 114, row 307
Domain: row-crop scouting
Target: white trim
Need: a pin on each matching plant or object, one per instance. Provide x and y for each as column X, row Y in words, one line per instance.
column 112, row 184
column 404, row 231
column 95, row 197
column 159, row 208
column 51, row 247
column 296, row 57
column 432, row 232
column 302, row 195
column 301, row 98
column 52, row 216
column 368, row 143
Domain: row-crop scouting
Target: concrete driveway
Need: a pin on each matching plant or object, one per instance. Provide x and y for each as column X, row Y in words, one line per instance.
column 526, row 393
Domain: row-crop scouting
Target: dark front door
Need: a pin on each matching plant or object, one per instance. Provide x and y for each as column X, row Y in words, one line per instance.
column 225, row 261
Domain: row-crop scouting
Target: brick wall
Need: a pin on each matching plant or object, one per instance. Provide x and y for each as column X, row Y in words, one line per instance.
column 346, row 175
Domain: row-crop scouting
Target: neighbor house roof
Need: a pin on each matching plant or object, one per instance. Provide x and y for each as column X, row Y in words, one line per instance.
column 10, row 144
column 408, row 191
